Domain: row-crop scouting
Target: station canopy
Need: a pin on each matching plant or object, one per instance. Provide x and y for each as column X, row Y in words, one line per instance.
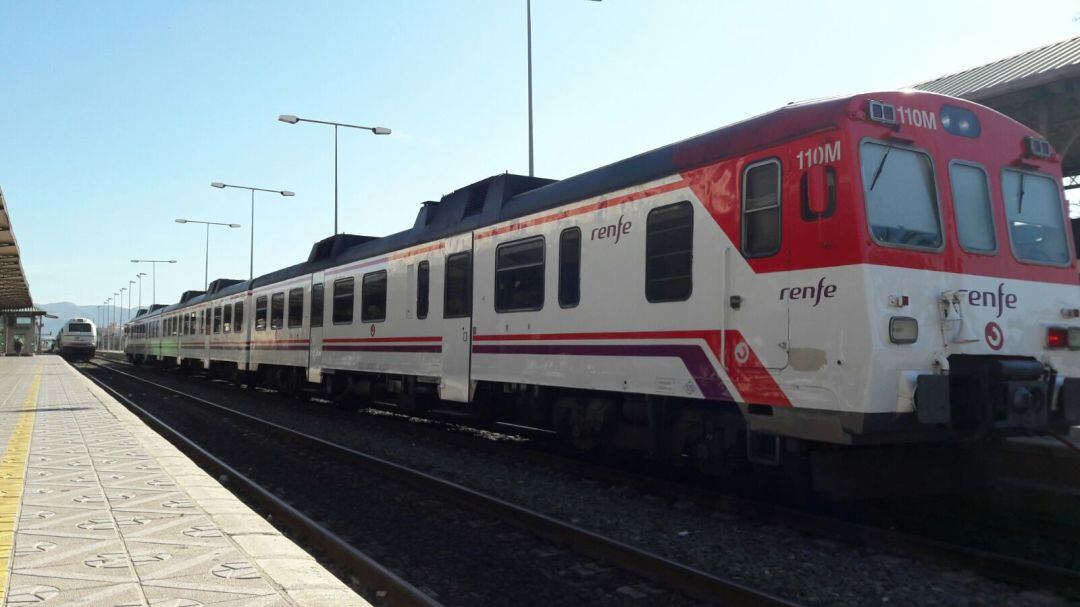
column 14, row 289
column 1039, row 88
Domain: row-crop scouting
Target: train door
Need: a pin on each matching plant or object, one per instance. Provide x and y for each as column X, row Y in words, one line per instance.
column 316, row 308
column 457, row 277
column 759, row 299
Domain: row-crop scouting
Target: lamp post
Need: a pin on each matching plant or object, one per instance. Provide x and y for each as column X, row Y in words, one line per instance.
column 153, row 277
column 220, row 185
column 121, row 304
column 206, row 268
column 108, row 319
column 375, row 130
column 139, row 276
column 528, row 43
column 131, row 283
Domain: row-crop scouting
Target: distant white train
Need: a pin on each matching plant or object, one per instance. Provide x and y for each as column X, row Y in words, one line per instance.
column 77, row 339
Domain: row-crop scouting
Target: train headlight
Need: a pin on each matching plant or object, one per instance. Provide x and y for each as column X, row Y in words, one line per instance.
column 960, row 121
column 903, row 330
column 882, row 112
column 1038, row 147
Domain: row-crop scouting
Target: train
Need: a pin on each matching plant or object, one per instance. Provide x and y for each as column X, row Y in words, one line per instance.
column 888, row 268
column 76, row 339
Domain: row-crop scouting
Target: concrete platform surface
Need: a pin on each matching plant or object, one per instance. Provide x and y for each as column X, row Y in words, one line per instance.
column 97, row 509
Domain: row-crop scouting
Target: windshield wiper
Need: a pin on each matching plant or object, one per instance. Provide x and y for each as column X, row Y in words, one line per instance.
column 881, row 165
column 1020, row 206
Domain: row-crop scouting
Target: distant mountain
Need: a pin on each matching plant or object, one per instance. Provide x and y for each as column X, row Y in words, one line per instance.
column 65, row 310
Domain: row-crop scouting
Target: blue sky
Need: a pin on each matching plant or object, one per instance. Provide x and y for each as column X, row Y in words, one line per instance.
column 118, row 115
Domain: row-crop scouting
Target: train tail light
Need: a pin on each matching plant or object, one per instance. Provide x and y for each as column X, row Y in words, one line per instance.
column 882, row 112
column 1038, row 147
column 1057, row 338
column 903, row 330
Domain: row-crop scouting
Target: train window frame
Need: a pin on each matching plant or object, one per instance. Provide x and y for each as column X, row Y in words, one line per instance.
column 937, row 196
column 500, row 272
column 649, row 246
column 989, row 203
column 804, row 197
column 298, row 321
column 1065, row 226
column 563, row 301
column 262, row 309
column 315, row 316
column 335, row 297
column 467, row 304
column 277, row 311
column 226, row 318
column 217, row 320
column 772, row 160
column 423, row 289
column 369, row 279
column 238, row 317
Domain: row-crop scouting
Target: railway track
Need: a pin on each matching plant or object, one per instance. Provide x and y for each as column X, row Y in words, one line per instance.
column 1018, row 571
column 680, row 579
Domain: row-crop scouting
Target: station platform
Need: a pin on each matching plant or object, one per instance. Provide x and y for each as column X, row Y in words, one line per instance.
column 98, row 509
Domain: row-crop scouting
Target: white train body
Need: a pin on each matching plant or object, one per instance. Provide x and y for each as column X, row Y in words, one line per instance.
column 77, row 339
column 754, row 275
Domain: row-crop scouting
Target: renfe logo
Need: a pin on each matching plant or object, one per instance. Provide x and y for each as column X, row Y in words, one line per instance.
column 616, row 230
column 990, row 299
column 810, row 292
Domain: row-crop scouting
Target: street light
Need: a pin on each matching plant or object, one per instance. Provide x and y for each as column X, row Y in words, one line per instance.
column 153, row 278
column 220, row 186
column 139, row 276
column 130, row 284
column 528, row 27
column 206, row 268
column 376, row 130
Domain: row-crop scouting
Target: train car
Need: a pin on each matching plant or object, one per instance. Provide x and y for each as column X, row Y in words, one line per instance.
column 879, row 269
column 76, row 339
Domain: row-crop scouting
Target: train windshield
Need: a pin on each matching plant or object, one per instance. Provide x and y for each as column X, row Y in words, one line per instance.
column 1036, row 219
column 79, row 327
column 901, row 199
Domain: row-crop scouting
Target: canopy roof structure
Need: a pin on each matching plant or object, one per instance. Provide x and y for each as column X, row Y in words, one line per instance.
column 14, row 289
column 1039, row 88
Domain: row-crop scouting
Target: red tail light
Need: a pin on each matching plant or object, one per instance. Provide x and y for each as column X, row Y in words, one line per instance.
column 1057, row 338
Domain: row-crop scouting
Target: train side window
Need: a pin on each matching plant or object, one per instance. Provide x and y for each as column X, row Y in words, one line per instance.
column 343, row 301
column 669, row 253
column 519, row 275
column 217, row 319
column 804, row 200
column 296, row 308
column 277, row 311
column 457, row 288
column 192, row 326
column 316, row 304
column 971, row 199
column 423, row 288
column 260, row 313
column 238, row 316
column 186, row 329
column 373, row 297
column 226, row 322
column 570, row 267
column 761, row 209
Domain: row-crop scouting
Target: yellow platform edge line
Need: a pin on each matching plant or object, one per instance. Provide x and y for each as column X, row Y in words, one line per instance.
column 12, row 479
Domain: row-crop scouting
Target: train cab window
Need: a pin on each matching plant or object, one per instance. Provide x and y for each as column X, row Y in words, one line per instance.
column 971, row 200
column 423, row 288
column 217, row 319
column 316, row 304
column 373, row 297
column 260, row 313
column 669, row 253
column 1036, row 218
column 570, row 267
column 277, row 311
column 457, row 288
column 519, row 275
column 761, row 209
column 238, row 316
column 226, row 319
column 296, row 308
column 901, row 198
column 343, row 301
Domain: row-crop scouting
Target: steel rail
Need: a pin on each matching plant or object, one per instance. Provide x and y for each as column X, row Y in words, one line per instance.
column 679, row 577
column 370, row 573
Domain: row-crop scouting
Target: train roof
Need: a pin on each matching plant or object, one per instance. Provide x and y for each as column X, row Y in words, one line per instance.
column 508, row 196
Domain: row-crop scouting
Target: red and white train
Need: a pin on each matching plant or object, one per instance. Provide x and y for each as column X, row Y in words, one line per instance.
column 892, row 267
